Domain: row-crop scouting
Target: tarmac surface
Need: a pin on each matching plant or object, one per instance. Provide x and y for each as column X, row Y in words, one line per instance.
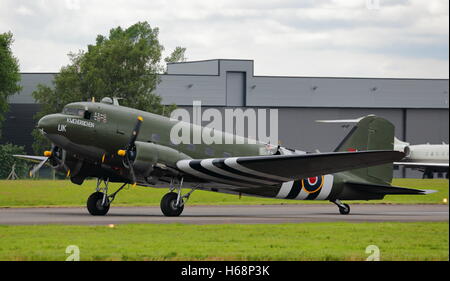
column 240, row 214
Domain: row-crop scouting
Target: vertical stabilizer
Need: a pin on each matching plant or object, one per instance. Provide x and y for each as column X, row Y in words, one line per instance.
column 371, row 133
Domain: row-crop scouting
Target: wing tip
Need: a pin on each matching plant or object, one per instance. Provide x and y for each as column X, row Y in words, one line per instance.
column 427, row 191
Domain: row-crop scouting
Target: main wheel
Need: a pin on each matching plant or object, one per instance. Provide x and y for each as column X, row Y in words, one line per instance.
column 344, row 210
column 95, row 206
column 169, row 205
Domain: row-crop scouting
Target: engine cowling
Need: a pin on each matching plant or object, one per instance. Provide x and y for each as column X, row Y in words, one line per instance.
column 148, row 154
column 407, row 152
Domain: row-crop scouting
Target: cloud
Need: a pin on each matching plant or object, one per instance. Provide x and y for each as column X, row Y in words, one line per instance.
column 406, row 38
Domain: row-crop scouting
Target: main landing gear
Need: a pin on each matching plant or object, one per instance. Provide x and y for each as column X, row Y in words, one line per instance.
column 99, row 202
column 344, row 209
column 172, row 204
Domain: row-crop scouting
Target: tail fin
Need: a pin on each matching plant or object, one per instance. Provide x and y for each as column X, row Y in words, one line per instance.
column 371, row 133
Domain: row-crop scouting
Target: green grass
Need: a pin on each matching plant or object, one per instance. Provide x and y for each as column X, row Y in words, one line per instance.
column 306, row 241
column 33, row 193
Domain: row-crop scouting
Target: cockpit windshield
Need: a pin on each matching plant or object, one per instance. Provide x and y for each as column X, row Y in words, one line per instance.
column 77, row 112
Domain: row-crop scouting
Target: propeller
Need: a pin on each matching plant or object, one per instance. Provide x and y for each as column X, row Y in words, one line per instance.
column 129, row 151
column 57, row 158
column 38, row 167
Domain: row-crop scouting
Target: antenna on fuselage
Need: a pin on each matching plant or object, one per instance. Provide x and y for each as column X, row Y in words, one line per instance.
column 116, row 101
column 93, row 99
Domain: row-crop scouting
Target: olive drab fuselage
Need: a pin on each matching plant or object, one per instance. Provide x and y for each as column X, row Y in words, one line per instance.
column 92, row 134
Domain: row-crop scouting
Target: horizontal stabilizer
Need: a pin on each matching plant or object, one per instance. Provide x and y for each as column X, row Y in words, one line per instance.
column 387, row 189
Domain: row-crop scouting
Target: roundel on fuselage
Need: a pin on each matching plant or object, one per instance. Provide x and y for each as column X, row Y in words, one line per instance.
column 312, row 184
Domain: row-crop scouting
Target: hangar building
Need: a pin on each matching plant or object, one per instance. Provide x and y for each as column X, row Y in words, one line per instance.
column 419, row 108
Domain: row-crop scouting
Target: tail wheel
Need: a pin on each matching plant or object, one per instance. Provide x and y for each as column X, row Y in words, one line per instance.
column 169, row 205
column 95, row 204
column 345, row 209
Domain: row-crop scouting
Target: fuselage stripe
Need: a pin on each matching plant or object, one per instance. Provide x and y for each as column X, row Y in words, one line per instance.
column 284, row 189
column 326, row 189
column 296, row 188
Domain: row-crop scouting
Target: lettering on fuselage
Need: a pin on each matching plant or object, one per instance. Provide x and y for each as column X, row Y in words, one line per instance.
column 314, row 188
column 61, row 128
column 80, row 122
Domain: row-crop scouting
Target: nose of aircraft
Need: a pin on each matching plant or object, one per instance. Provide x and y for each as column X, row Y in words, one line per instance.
column 45, row 123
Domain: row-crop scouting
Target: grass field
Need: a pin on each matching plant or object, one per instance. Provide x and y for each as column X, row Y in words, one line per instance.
column 30, row 193
column 306, row 241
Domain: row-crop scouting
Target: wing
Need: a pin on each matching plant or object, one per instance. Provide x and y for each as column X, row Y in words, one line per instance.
column 275, row 169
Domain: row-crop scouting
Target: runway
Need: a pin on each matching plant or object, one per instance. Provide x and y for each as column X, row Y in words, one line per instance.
column 239, row 214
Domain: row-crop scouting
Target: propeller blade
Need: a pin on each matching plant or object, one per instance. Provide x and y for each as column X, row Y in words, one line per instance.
column 135, row 132
column 127, row 153
column 38, row 166
column 133, row 175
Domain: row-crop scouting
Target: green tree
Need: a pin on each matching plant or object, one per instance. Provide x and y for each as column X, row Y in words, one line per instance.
column 178, row 55
column 7, row 160
column 9, row 73
column 124, row 64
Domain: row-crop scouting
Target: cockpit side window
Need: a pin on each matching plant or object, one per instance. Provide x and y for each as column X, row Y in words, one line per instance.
column 70, row 111
column 77, row 112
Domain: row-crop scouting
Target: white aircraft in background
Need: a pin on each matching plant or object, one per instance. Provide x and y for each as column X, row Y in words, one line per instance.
column 427, row 158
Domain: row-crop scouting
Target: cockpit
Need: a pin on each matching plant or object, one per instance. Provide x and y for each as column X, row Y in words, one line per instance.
column 86, row 114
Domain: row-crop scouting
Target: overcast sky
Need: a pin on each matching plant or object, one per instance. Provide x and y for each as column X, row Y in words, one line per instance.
column 382, row 38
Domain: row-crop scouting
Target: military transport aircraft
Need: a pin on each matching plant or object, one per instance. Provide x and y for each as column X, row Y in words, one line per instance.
column 119, row 144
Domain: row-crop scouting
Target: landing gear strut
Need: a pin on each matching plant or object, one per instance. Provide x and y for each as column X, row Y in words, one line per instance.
column 99, row 202
column 344, row 209
column 172, row 204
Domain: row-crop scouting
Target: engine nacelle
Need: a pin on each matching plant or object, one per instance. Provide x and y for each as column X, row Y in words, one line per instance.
column 148, row 154
column 407, row 152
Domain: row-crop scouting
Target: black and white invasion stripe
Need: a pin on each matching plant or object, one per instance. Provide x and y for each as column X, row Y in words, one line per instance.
column 228, row 171
column 295, row 190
